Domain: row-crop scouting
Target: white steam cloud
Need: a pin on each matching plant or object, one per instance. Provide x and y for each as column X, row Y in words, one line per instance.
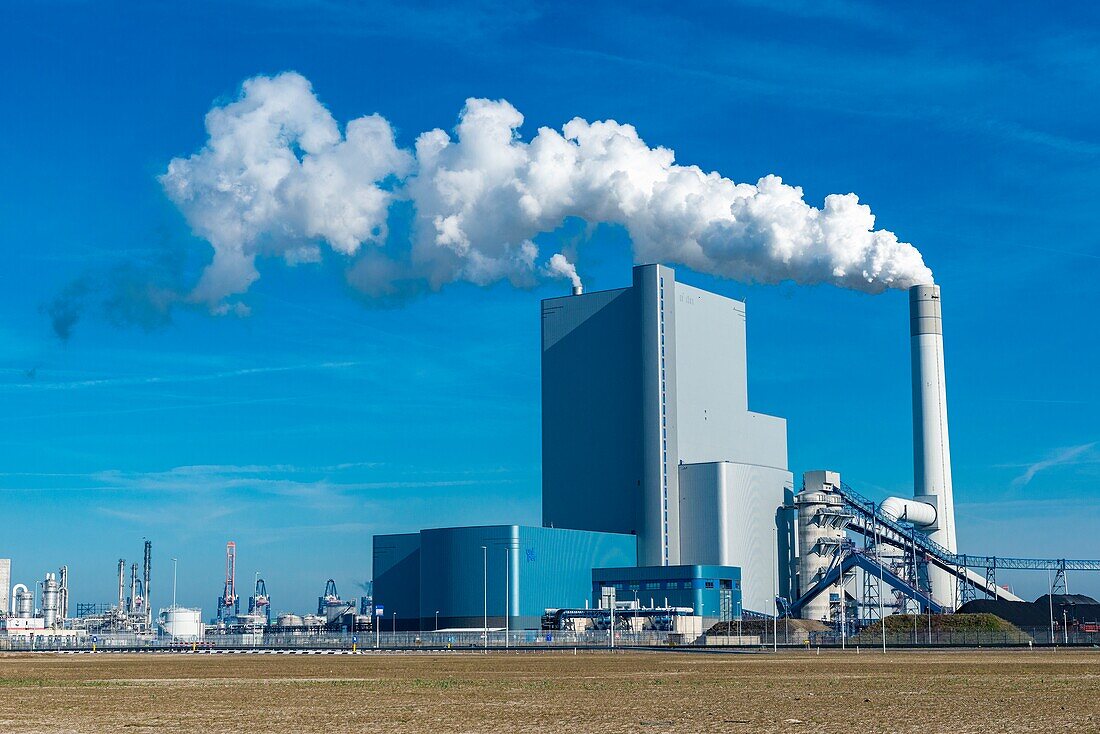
column 277, row 177
column 559, row 267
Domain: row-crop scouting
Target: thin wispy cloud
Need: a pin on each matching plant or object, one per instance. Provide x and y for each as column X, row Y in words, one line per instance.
column 169, row 379
column 1068, row 455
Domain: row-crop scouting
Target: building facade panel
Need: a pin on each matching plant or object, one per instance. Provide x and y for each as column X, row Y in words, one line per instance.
column 591, row 413
column 396, row 566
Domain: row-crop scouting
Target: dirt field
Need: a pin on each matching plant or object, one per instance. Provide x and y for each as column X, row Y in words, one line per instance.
column 1013, row 691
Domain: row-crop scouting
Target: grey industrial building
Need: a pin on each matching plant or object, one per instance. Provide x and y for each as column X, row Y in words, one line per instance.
column 646, row 429
column 649, row 447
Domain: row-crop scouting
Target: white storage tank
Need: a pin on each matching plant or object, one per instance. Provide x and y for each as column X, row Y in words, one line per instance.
column 289, row 620
column 49, row 600
column 182, row 624
column 22, row 602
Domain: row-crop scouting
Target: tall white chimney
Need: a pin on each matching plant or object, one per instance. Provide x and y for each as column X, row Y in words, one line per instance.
column 931, row 449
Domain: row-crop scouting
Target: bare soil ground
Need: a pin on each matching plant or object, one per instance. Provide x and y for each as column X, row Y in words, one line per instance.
column 926, row 692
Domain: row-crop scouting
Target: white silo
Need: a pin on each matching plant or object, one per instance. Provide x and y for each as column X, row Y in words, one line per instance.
column 931, row 448
column 49, row 600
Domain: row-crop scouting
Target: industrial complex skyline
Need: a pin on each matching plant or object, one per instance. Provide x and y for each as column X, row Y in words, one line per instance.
column 323, row 417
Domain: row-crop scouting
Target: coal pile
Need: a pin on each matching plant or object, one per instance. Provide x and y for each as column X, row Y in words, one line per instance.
column 1077, row 608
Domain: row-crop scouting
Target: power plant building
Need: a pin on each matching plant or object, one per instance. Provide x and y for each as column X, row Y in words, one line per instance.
column 647, row 430
column 652, row 461
column 510, row 574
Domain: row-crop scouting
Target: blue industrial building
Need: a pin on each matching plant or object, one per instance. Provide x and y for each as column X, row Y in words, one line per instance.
column 465, row 573
column 713, row 592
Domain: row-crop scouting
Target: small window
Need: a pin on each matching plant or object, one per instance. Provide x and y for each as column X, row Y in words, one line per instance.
column 710, row 584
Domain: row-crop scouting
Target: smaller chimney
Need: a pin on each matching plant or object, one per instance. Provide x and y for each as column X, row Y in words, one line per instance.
column 578, row 290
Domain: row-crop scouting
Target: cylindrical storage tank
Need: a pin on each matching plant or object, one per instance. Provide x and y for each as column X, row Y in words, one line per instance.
column 289, row 620
column 337, row 608
column 921, row 514
column 931, row 446
column 49, row 600
column 23, row 606
column 182, row 624
column 251, row 620
column 313, row 620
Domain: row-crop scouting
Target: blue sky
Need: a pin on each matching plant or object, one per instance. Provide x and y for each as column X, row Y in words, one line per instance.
column 322, row 417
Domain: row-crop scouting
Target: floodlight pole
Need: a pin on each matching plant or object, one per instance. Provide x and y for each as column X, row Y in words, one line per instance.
column 485, row 592
column 775, row 593
column 507, row 565
column 1050, row 601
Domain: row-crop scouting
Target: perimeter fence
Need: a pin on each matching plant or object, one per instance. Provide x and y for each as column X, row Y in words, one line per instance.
column 533, row 639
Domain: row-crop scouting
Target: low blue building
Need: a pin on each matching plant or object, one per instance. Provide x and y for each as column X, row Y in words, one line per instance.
column 713, row 592
column 453, row 577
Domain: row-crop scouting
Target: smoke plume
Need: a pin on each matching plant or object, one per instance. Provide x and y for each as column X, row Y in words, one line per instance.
column 278, row 177
column 560, row 267
column 140, row 294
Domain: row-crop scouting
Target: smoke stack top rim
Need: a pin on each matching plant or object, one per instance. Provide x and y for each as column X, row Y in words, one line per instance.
column 924, row 310
column 578, row 290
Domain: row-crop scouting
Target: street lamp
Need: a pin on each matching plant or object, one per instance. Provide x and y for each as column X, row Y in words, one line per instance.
column 395, row 623
column 485, row 592
column 436, row 620
column 173, row 583
column 507, row 565
column 775, row 591
column 1050, row 601
column 636, row 610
